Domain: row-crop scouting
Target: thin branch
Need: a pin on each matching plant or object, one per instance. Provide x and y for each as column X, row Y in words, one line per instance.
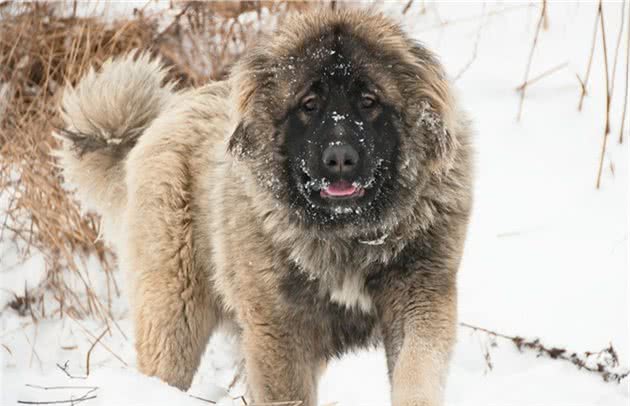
column 625, row 99
column 590, row 62
column 539, row 26
column 476, row 46
column 33, row 350
column 407, row 6
column 64, row 368
column 542, row 75
column 582, row 85
column 619, row 38
column 605, row 360
column 203, row 400
column 83, row 398
column 607, row 126
column 59, row 387
column 87, row 357
column 56, row 402
column 477, row 17
column 240, row 371
column 7, row 348
column 174, row 22
column 102, row 344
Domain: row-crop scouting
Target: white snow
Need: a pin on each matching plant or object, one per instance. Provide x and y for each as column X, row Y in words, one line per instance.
column 546, row 256
column 338, row 117
column 379, row 241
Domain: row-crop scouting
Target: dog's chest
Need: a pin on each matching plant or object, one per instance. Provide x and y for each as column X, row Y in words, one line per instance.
column 341, row 318
column 350, row 292
column 339, row 269
column 346, row 289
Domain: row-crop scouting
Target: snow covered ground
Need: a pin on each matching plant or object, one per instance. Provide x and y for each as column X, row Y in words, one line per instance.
column 547, row 253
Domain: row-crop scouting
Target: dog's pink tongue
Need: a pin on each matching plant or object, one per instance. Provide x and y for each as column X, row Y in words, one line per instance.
column 340, row 188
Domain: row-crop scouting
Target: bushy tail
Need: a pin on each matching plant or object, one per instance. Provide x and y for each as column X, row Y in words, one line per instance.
column 104, row 115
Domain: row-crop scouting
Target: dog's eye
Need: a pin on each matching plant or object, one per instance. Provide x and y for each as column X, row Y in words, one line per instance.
column 368, row 101
column 309, row 103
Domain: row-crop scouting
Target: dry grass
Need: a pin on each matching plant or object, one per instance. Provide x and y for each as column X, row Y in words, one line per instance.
column 44, row 46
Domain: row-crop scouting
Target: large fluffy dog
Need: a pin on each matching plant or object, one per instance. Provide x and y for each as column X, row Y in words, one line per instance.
column 315, row 202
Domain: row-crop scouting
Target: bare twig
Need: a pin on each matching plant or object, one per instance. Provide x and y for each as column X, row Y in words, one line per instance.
column 604, row 361
column 7, row 348
column 212, row 402
column 535, row 79
column 582, row 84
column 607, row 125
column 175, row 21
column 502, row 11
column 625, row 99
column 33, row 350
column 539, row 26
column 59, row 387
column 619, row 38
column 238, row 374
column 584, row 81
column 102, row 344
column 64, row 369
column 56, row 402
column 87, row 357
column 476, row 46
column 72, row 401
column 407, row 6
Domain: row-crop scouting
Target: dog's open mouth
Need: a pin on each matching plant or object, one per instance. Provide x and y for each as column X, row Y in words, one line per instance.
column 341, row 189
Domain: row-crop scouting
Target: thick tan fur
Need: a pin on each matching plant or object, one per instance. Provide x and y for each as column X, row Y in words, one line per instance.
column 186, row 186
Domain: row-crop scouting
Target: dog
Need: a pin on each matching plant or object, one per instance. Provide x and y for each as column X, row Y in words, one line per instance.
column 314, row 202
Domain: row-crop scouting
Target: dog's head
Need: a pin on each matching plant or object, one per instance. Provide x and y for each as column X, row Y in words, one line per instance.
column 342, row 117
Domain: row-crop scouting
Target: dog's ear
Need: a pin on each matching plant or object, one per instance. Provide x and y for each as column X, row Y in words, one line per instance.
column 241, row 143
column 440, row 141
column 434, row 108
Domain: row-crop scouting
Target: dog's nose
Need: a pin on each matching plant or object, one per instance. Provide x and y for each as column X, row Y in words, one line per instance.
column 340, row 158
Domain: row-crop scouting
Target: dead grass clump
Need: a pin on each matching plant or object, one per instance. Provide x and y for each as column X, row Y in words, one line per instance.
column 43, row 46
column 206, row 38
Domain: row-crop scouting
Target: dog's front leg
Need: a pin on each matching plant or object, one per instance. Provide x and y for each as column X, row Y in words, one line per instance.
column 279, row 365
column 419, row 332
